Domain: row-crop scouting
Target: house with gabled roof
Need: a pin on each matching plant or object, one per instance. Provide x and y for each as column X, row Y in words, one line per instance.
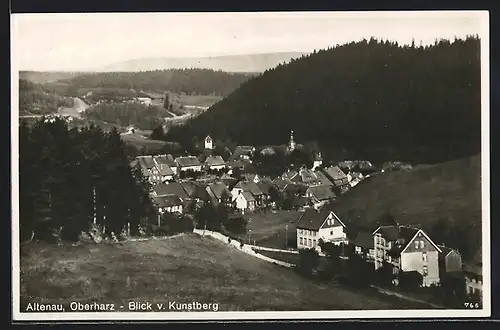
column 171, row 188
column 215, row 163
column 245, row 201
column 338, row 177
column 308, row 177
column 473, row 273
column 168, row 203
column 407, row 249
column 323, row 178
column 167, row 160
column 324, row 225
column 320, row 194
column 243, row 153
column 250, row 187
column 218, row 191
column 450, row 260
column 188, row 163
column 363, row 245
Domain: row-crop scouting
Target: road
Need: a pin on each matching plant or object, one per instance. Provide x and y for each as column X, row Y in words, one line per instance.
column 74, row 111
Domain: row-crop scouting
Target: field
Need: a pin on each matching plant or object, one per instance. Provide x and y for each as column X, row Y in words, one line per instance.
column 449, row 192
column 183, row 269
column 268, row 229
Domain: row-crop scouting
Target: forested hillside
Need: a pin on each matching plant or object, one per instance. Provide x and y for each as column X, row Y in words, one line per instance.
column 59, row 171
column 35, row 99
column 141, row 116
column 371, row 99
column 188, row 81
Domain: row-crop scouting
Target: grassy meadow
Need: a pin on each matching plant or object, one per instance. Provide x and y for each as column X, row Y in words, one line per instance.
column 183, row 269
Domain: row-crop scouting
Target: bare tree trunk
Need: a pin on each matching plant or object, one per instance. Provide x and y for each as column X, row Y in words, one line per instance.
column 31, row 239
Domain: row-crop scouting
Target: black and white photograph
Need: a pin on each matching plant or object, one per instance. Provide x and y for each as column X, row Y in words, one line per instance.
column 250, row 165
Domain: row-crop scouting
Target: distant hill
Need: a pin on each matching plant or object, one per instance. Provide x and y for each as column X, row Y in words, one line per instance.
column 187, row 81
column 42, row 77
column 230, row 63
column 445, row 199
column 371, row 99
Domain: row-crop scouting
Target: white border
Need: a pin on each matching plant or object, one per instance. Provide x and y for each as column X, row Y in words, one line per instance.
column 483, row 16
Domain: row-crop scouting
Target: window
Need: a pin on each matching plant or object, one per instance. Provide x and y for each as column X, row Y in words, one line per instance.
column 314, row 242
column 422, row 243
column 309, row 242
column 416, row 244
column 424, row 257
column 301, row 241
column 331, row 232
column 425, row 271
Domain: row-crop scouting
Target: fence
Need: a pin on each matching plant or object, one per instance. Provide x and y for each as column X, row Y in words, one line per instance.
column 249, row 249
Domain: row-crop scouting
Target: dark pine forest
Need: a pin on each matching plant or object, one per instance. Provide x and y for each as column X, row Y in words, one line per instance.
column 59, row 170
column 371, row 99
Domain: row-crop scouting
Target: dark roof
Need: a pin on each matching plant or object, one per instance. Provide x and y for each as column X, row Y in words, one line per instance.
column 280, row 183
column 172, row 188
column 445, row 250
column 167, row 201
column 186, row 161
column 218, row 189
column 146, row 161
column 393, row 233
column 296, row 188
column 208, row 138
column 265, row 186
column 323, row 178
column 335, row 173
column 190, row 187
column 165, row 170
column 165, row 159
column 289, row 175
column 215, row 161
column 249, row 186
column 248, row 196
column 308, row 176
column 364, row 239
column 322, row 192
column 313, row 219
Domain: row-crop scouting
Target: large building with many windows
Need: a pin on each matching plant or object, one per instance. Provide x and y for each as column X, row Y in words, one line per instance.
column 324, row 225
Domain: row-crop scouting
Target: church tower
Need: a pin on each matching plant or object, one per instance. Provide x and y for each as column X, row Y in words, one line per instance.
column 318, row 160
column 291, row 145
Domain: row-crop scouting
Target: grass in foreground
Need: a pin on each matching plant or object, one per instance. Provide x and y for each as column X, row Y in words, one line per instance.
column 183, row 269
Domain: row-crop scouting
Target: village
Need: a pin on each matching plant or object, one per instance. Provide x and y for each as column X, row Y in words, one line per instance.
column 292, row 212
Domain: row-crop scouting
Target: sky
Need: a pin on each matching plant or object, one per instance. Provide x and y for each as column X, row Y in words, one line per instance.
column 65, row 42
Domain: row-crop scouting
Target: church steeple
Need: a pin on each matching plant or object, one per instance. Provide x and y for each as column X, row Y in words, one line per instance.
column 291, row 145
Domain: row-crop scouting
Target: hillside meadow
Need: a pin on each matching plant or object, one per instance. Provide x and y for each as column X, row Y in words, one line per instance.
column 445, row 199
column 183, row 268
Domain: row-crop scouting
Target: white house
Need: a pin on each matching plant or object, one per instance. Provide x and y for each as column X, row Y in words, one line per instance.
column 324, row 225
column 215, row 163
column 144, row 100
column 168, row 203
column 209, row 143
column 354, row 178
column 245, row 201
column 186, row 163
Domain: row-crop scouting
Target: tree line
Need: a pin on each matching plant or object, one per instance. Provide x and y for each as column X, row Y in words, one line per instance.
column 71, row 178
column 35, row 99
column 371, row 99
column 188, row 81
column 128, row 113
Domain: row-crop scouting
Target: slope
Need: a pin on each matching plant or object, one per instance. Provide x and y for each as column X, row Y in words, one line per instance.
column 182, row 269
column 369, row 99
column 445, row 199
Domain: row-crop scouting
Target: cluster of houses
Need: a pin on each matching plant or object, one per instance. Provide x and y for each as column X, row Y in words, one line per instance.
column 406, row 248
column 176, row 176
column 187, row 181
